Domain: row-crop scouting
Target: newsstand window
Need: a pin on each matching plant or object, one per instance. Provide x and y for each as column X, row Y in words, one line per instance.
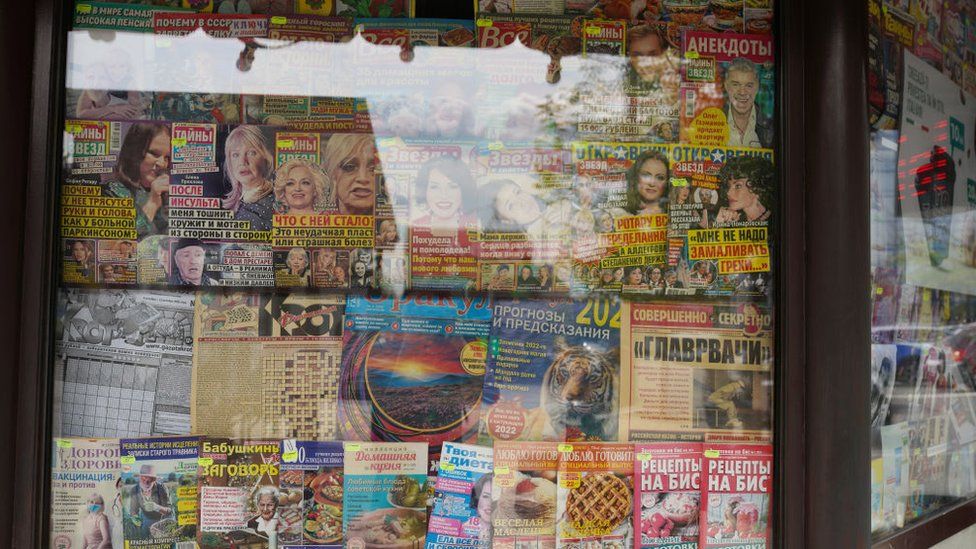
column 922, row 99
column 342, row 274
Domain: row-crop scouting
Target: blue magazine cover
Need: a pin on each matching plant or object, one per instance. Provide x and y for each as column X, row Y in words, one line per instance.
column 462, row 498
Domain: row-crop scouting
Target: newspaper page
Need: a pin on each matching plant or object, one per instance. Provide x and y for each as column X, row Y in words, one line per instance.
column 85, row 505
column 123, row 363
column 694, row 371
column 267, row 365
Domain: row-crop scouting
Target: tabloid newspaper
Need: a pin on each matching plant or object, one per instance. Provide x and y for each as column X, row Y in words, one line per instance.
column 524, row 208
column 311, row 482
column 604, row 37
column 595, row 495
column 727, row 89
column 620, row 226
column 267, row 366
column 737, row 496
column 667, row 495
column 413, row 369
column 895, row 465
column 240, row 504
column 85, row 506
column 547, row 7
column 461, row 515
column 721, row 204
column 695, row 371
column 431, row 185
column 553, row 371
column 216, row 25
column 928, row 460
column 123, row 363
column 213, row 108
column 385, row 494
column 159, row 492
column 523, row 494
column 425, row 32
column 116, row 16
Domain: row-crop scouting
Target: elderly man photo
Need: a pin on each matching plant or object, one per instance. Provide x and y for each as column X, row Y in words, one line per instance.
column 748, row 125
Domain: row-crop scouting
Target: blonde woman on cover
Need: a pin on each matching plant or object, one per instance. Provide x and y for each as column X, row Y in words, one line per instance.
column 95, row 527
column 301, row 187
column 351, row 164
column 247, row 167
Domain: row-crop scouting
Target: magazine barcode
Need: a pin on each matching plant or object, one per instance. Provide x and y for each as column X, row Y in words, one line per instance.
column 185, row 545
column 115, row 137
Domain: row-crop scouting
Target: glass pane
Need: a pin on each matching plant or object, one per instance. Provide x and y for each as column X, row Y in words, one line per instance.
column 502, row 281
column 923, row 395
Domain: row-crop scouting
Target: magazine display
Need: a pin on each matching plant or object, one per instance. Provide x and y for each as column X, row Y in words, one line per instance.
column 240, row 503
column 116, row 16
column 595, row 495
column 267, row 365
column 462, row 498
column 158, row 490
column 721, row 204
column 85, row 509
column 737, row 496
column 667, row 494
column 696, row 371
column 385, row 494
column 524, row 494
column 413, row 369
column 620, row 226
column 311, row 483
column 553, row 371
column 726, row 93
column 123, row 362
column 524, row 210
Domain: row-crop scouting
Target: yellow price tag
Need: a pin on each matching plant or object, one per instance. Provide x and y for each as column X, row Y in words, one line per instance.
column 644, row 456
column 354, row 446
column 286, row 143
column 62, row 443
column 178, row 141
column 279, row 20
column 503, row 470
column 83, row 8
column 448, row 467
column 679, row 182
column 565, row 448
column 691, row 55
column 290, row 457
column 483, row 22
column 73, row 129
column 205, row 462
column 127, row 460
column 711, row 453
column 359, row 28
column 592, row 31
column 879, row 290
column 496, row 146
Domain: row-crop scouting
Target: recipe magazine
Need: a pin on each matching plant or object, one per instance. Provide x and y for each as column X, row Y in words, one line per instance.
column 385, row 494
column 737, row 496
column 310, row 483
column 667, row 494
column 595, row 495
column 524, row 494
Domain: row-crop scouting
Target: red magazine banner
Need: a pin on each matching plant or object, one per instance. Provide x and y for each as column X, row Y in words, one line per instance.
column 737, row 496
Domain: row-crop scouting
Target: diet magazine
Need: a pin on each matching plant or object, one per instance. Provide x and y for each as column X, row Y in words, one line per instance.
column 159, row 492
column 413, row 369
column 553, row 371
column 85, row 510
column 240, row 503
column 310, row 485
column 667, row 495
column 462, row 498
column 385, row 494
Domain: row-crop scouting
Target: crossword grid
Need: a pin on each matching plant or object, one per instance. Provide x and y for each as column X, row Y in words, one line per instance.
column 105, row 398
column 300, row 390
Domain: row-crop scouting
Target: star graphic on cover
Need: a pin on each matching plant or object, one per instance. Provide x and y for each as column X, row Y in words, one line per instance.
column 718, row 155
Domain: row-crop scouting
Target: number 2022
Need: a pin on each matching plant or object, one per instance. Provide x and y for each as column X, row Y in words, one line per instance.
column 598, row 311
